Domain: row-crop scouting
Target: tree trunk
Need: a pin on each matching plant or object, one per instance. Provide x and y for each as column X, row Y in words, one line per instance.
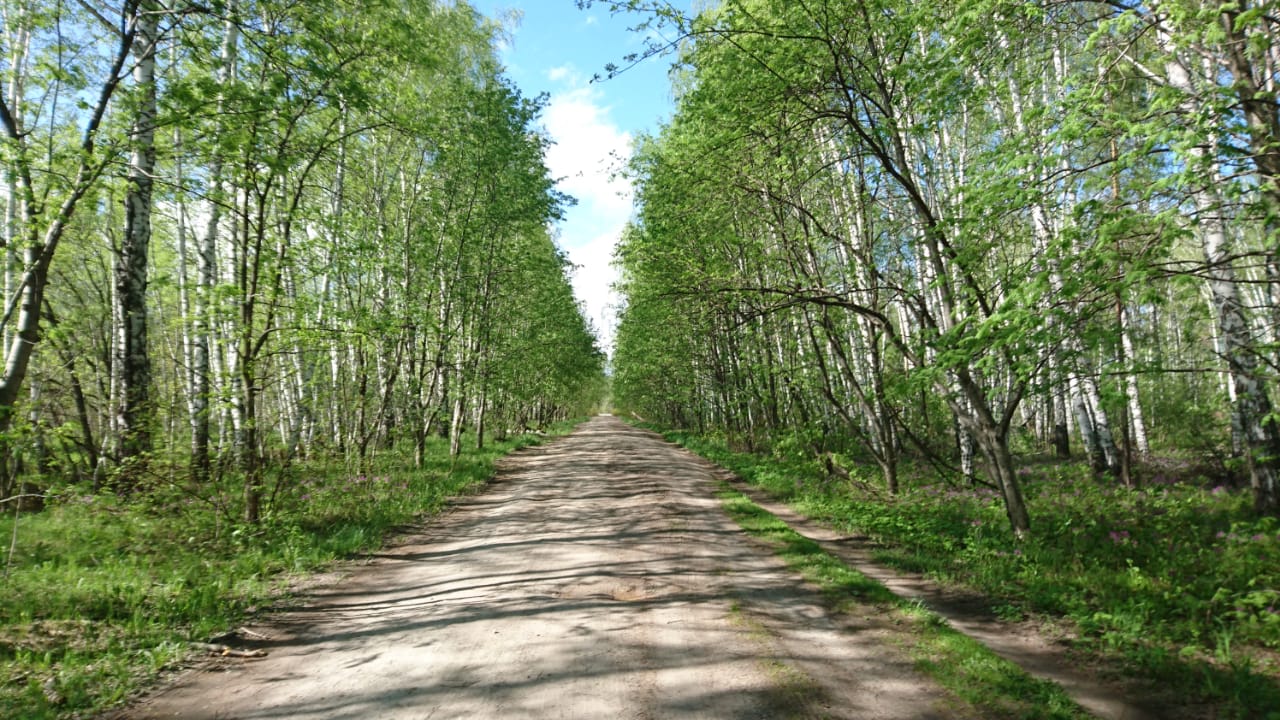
column 1057, row 404
column 1084, row 423
column 68, row 360
column 207, row 272
column 247, row 447
column 1137, row 425
column 481, row 407
column 134, row 361
column 1101, row 426
column 455, row 425
column 1252, row 405
column 40, row 246
column 1253, row 408
column 993, row 437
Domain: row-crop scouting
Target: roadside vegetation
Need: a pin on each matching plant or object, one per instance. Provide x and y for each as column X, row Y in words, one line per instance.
column 987, row 683
column 103, row 596
column 1175, row 583
column 994, row 283
column 280, row 277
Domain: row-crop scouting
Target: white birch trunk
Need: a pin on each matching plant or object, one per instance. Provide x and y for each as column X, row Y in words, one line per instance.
column 1252, row 403
column 1136, row 422
column 205, row 362
column 1093, row 423
column 133, row 363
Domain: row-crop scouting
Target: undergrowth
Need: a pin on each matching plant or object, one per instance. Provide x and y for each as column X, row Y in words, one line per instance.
column 992, row 685
column 103, row 595
column 1178, row 582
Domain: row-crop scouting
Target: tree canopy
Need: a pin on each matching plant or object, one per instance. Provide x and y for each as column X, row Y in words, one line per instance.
column 957, row 230
column 248, row 232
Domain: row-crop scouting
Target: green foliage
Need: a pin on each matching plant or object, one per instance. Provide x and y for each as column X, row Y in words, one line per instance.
column 383, row 244
column 836, row 580
column 899, row 231
column 1177, row 581
column 992, row 685
column 102, row 596
column 352, row 256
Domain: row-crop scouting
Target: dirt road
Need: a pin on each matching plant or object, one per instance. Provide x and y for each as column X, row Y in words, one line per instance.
column 596, row 577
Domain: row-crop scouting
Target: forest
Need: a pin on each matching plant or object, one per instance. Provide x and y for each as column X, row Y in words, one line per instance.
column 993, row 283
column 924, row 253
column 252, row 249
column 243, row 233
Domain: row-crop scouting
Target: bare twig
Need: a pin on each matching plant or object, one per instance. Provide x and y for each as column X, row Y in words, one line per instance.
column 227, row 651
column 21, row 496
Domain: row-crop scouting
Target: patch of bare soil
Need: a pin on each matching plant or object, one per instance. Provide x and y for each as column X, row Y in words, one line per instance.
column 596, row 577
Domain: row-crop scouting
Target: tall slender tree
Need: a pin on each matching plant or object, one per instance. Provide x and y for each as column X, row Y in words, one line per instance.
column 133, row 359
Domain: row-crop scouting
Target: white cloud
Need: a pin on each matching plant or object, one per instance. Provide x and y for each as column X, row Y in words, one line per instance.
column 592, row 281
column 563, row 72
column 589, row 149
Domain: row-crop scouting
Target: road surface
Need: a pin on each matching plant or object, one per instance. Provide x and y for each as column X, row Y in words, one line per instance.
column 595, row 577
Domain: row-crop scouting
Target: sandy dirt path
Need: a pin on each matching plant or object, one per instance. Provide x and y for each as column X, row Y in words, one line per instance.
column 596, row 577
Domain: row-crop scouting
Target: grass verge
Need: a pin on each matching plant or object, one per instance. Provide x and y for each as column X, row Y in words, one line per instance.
column 993, row 686
column 101, row 596
column 1177, row 583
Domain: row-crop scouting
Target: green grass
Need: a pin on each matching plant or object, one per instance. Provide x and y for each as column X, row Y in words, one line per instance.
column 1177, row 583
column 103, row 595
column 995, row 687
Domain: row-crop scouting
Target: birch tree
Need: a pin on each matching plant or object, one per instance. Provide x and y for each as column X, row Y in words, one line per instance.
column 133, row 361
column 325, row 229
column 49, row 179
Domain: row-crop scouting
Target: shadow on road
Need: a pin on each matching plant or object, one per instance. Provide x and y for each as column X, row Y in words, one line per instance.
column 596, row 577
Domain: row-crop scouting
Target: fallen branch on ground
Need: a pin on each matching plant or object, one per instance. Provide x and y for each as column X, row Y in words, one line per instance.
column 227, row 650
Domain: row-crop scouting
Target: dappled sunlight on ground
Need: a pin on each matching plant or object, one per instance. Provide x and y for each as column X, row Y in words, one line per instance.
column 597, row 577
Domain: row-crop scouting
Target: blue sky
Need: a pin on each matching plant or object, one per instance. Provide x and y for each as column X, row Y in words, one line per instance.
column 556, row 48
